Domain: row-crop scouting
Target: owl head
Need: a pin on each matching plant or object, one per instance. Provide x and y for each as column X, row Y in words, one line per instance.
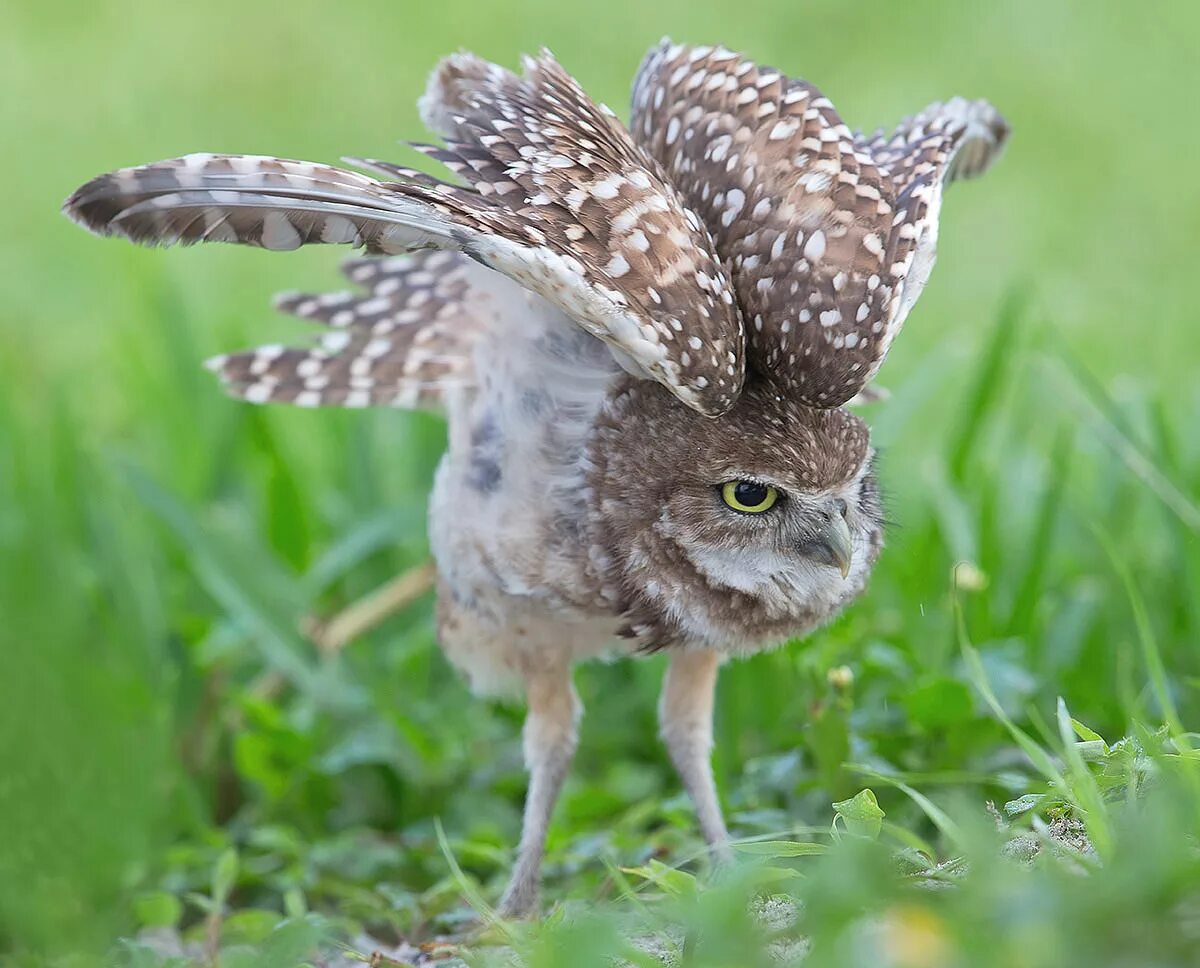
column 733, row 531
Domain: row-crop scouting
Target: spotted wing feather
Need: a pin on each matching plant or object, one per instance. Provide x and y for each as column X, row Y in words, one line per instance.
column 959, row 138
column 538, row 141
column 272, row 203
column 404, row 343
column 946, row 142
column 820, row 234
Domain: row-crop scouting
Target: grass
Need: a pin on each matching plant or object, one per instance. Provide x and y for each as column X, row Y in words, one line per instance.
column 175, row 756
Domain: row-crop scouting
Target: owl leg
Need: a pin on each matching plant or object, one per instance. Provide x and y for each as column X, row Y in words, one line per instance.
column 550, row 736
column 685, row 712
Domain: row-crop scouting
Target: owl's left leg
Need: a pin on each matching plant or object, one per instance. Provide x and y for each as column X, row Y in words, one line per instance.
column 550, row 735
column 685, row 712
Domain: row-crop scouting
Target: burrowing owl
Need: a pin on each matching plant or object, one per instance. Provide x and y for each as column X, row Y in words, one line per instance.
column 642, row 340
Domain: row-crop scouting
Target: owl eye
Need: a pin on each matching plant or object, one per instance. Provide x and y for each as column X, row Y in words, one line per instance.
column 749, row 497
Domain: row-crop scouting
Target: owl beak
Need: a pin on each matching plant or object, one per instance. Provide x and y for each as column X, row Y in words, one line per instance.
column 839, row 542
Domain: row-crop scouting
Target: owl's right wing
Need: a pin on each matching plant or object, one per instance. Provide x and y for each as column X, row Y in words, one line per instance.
column 829, row 237
column 559, row 199
column 406, row 339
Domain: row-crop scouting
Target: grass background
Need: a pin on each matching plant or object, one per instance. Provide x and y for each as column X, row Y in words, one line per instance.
column 159, row 544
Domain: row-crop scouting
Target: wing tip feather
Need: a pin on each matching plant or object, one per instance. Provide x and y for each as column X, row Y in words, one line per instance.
column 986, row 132
column 80, row 206
column 440, row 102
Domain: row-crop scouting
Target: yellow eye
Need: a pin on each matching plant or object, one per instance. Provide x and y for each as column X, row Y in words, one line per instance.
column 749, row 497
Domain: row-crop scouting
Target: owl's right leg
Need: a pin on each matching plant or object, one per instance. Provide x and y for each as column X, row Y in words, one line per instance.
column 685, row 712
column 550, row 736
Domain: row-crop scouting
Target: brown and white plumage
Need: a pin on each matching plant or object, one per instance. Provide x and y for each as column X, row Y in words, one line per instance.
column 402, row 343
column 641, row 344
column 561, row 200
column 830, row 237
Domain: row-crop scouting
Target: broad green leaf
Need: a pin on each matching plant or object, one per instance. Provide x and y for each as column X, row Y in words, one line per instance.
column 157, row 909
column 249, row 926
column 294, row 903
column 861, row 814
column 1084, row 733
column 224, row 876
column 1023, row 804
column 670, row 879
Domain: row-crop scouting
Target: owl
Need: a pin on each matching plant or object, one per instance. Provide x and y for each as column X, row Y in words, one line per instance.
column 643, row 340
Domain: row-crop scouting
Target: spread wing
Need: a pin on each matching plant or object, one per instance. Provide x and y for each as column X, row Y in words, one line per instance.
column 402, row 342
column 560, row 200
column 829, row 237
column 945, row 142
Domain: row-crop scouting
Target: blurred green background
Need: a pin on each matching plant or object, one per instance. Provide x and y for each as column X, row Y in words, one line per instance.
column 159, row 544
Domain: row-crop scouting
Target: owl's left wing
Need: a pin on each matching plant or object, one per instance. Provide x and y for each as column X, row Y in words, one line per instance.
column 560, row 200
column 405, row 340
column 829, row 236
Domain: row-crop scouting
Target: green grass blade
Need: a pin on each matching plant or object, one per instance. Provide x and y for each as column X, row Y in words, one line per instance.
column 997, row 357
column 241, row 588
column 1151, row 654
